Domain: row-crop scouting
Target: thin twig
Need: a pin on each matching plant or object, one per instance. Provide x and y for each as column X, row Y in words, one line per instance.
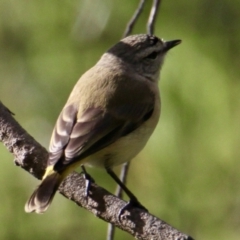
column 118, row 193
column 153, row 16
column 110, row 231
column 123, row 177
column 134, row 18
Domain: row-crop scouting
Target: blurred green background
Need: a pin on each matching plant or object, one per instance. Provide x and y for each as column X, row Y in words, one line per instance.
column 188, row 174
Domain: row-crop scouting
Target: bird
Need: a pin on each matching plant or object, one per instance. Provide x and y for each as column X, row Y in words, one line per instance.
column 109, row 116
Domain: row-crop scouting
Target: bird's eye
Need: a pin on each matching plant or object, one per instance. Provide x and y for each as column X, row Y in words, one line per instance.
column 152, row 55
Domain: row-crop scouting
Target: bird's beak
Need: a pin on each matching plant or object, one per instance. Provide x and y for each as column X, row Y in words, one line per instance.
column 171, row 44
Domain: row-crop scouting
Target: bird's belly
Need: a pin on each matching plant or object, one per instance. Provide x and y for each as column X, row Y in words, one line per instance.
column 125, row 148
column 117, row 153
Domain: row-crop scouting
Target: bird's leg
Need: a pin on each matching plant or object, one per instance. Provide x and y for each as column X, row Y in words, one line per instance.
column 133, row 199
column 88, row 180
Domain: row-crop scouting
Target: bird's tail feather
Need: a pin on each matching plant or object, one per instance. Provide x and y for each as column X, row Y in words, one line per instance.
column 43, row 195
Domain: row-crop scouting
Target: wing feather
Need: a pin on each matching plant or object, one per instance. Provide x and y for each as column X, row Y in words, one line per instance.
column 80, row 134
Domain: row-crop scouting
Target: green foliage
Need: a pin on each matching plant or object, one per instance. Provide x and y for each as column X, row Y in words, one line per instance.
column 190, row 167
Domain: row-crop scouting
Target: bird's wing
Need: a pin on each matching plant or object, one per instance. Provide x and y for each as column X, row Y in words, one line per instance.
column 75, row 138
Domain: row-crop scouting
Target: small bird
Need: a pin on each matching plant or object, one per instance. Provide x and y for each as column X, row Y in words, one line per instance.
column 109, row 116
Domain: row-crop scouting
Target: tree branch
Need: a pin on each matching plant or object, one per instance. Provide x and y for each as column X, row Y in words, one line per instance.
column 28, row 153
column 32, row 157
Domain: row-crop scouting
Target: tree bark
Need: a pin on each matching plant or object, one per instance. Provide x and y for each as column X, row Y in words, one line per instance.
column 31, row 156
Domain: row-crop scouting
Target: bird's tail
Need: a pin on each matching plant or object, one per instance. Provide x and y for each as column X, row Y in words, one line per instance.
column 43, row 195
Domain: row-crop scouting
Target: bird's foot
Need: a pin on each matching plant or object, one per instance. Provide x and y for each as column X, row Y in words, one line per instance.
column 88, row 181
column 133, row 203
